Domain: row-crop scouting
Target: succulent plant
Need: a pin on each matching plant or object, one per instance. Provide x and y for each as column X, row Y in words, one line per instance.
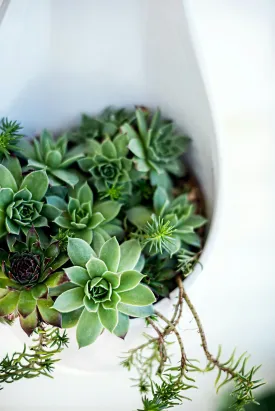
column 27, row 274
column 21, row 205
column 107, row 289
column 9, row 137
column 52, row 155
column 156, row 146
column 83, row 218
column 170, row 225
column 106, row 124
column 107, row 162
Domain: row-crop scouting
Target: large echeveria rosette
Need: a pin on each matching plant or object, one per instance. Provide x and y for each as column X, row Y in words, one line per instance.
column 22, row 199
column 107, row 289
column 28, row 272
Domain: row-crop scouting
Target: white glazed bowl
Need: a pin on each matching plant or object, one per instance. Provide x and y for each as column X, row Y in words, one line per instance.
column 87, row 55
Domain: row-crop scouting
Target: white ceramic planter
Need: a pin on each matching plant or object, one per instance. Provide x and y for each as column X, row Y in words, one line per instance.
column 64, row 58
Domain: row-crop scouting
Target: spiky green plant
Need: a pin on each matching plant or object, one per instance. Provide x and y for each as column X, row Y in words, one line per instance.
column 107, row 289
column 53, row 156
column 9, row 137
column 28, row 273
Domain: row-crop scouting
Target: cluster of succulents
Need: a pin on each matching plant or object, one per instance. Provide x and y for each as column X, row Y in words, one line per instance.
column 90, row 226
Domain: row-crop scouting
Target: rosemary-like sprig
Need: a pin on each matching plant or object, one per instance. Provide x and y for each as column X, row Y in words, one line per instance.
column 176, row 379
column 38, row 360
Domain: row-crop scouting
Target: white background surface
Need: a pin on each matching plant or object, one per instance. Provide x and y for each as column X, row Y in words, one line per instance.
column 235, row 294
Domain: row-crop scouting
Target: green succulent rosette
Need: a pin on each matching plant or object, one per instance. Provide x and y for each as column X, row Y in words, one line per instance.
column 21, row 199
column 85, row 219
column 156, row 146
column 27, row 274
column 53, row 156
column 107, row 162
column 107, row 289
column 107, row 124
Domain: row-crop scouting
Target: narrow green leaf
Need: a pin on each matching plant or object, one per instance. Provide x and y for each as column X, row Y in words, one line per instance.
column 110, row 254
column 88, row 329
column 37, row 183
column 140, row 295
column 129, row 255
column 79, row 251
column 122, row 326
column 134, row 311
column 6, row 179
column 26, row 303
column 70, row 300
column 78, row 275
column 129, row 280
column 108, row 318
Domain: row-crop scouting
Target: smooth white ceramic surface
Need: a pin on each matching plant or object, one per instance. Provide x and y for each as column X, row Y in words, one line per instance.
column 235, row 293
column 91, row 58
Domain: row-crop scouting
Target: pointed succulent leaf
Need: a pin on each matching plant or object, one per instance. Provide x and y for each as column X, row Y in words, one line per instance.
column 37, row 183
column 48, row 313
column 112, row 278
column 79, row 251
column 137, row 148
column 129, row 130
column 85, row 194
column 6, row 179
column 98, row 241
column 29, row 323
column 129, row 280
column 139, row 216
column 160, row 200
column 70, row 320
column 108, row 318
column 195, row 221
column 78, row 275
column 110, row 254
column 11, row 227
column 13, row 165
column 6, row 197
column 191, row 239
column 90, row 305
column 109, row 209
column 129, row 255
column 67, row 176
column 135, row 311
column 50, row 212
column 88, row 329
column 122, row 326
column 55, row 279
column 140, row 264
column 142, row 165
column 62, row 221
column 115, row 299
column 121, row 141
column 96, row 267
column 140, row 295
column 108, row 149
column 70, row 300
column 26, row 303
column 57, row 202
column 97, row 218
column 39, row 291
column 9, row 303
